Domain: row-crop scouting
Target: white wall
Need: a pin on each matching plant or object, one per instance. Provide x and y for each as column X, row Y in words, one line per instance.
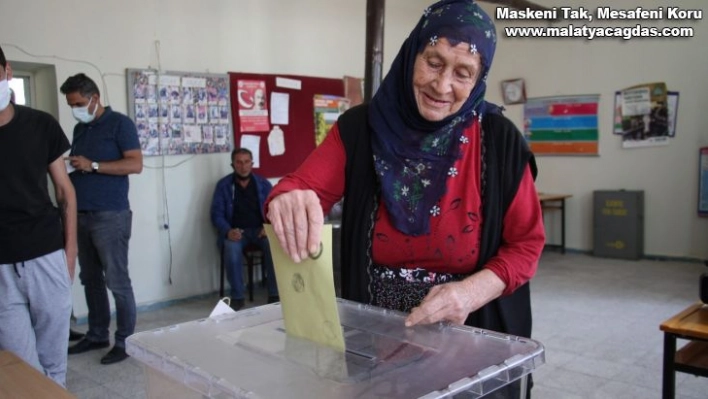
column 668, row 175
column 326, row 38
column 102, row 39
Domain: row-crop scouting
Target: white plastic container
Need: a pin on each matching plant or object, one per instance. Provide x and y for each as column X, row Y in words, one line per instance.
column 248, row 355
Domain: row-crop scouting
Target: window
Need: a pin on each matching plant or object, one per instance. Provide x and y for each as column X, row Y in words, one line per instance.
column 20, row 85
column 35, row 86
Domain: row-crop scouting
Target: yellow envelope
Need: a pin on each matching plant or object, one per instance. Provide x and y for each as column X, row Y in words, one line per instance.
column 307, row 294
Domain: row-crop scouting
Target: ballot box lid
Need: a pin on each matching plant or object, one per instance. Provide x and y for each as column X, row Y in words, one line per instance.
column 247, row 354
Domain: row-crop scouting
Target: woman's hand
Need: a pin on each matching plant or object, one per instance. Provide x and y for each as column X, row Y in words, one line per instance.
column 451, row 302
column 454, row 301
column 297, row 220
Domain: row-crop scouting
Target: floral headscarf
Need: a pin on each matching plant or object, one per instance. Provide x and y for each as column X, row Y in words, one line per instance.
column 412, row 155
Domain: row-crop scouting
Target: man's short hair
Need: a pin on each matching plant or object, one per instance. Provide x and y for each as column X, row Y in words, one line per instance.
column 3, row 61
column 241, row 151
column 81, row 83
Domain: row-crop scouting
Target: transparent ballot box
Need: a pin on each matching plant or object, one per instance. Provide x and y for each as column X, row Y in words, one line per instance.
column 248, row 355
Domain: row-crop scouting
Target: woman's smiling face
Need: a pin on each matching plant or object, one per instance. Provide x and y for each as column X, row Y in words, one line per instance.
column 443, row 78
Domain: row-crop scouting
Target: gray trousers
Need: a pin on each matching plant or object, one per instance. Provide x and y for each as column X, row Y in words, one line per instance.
column 35, row 307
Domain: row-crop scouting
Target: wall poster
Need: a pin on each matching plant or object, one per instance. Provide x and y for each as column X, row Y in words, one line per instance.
column 252, row 107
column 562, row 125
column 327, row 111
column 645, row 115
column 180, row 112
column 703, row 182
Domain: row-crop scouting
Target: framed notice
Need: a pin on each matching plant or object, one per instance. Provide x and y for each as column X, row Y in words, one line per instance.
column 703, row 182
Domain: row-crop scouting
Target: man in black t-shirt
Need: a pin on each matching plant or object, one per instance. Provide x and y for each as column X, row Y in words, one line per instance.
column 37, row 241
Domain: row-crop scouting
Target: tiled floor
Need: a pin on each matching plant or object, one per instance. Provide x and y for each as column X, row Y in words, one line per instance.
column 598, row 319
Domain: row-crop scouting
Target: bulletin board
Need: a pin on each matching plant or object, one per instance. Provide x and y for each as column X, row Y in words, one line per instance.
column 279, row 109
column 180, row 112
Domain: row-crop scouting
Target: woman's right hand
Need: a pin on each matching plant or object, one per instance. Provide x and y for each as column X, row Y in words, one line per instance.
column 297, row 220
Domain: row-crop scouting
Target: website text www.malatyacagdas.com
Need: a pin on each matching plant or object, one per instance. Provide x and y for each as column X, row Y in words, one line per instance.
column 593, row 32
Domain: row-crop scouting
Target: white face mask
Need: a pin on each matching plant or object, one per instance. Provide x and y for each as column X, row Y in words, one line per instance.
column 5, row 94
column 82, row 113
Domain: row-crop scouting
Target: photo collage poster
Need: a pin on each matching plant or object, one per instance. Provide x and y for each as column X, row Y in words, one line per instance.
column 180, row 113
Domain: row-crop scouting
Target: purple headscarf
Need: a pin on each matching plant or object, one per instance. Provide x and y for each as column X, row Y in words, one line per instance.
column 412, row 155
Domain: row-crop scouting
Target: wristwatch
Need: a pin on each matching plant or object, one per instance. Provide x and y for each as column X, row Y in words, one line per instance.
column 94, row 167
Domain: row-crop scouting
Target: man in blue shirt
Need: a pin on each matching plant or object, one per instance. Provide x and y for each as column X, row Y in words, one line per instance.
column 104, row 151
column 237, row 214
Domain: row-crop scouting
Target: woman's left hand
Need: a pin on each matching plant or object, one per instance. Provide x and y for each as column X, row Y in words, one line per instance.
column 454, row 301
column 451, row 302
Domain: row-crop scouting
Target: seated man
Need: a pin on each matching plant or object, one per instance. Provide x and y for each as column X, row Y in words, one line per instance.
column 237, row 214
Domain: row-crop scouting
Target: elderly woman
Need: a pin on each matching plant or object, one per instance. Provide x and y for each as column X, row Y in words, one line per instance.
column 441, row 217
